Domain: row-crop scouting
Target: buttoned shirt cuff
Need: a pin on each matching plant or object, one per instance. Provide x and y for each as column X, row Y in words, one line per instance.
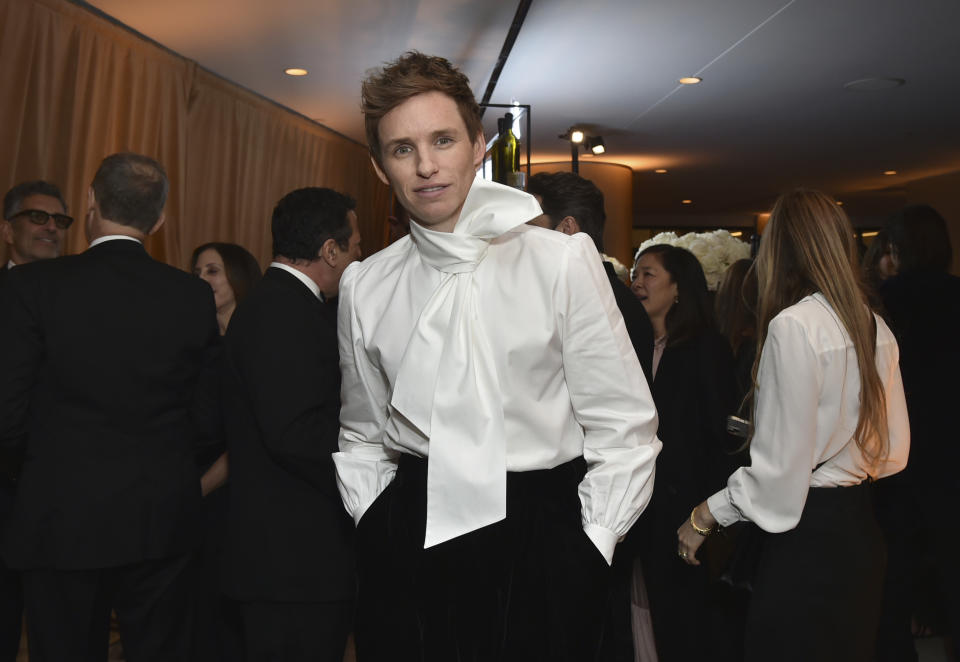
column 723, row 509
column 603, row 539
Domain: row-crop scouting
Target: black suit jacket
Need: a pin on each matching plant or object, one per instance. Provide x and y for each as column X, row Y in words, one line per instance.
column 694, row 391
column 923, row 310
column 637, row 321
column 288, row 536
column 104, row 352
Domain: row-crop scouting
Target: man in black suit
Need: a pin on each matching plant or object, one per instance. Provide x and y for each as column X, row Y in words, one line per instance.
column 34, row 223
column 289, row 545
column 105, row 352
column 572, row 204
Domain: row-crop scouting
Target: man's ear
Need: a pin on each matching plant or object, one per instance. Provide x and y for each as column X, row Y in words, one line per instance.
column 568, row 225
column 382, row 175
column 158, row 224
column 330, row 252
column 6, row 232
column 479, row 150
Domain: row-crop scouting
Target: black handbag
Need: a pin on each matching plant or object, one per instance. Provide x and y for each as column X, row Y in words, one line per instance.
column 741, row 567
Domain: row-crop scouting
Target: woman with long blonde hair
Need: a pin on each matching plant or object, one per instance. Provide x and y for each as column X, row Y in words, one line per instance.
column 829, row 417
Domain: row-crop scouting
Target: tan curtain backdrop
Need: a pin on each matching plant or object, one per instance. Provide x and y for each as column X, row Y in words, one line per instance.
column 74, row 87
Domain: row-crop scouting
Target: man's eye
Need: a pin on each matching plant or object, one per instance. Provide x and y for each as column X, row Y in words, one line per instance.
column 444, row 141
column 401, row 150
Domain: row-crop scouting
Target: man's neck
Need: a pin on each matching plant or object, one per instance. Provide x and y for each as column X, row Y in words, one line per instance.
column 315, row 270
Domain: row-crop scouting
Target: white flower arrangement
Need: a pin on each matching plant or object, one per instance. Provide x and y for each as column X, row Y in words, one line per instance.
column 618, row 267
column 715, row 250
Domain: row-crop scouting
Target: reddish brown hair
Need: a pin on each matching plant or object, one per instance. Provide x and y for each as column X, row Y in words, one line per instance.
column 411, row 74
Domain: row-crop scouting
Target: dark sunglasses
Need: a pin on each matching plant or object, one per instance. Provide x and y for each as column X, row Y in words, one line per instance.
column 40, row 217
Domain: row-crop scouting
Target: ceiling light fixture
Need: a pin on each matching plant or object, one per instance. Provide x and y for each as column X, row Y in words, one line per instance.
column 660, row 171
column 738, row 233
column 295, row 71
column 874, row 233
column 576, row 136
column 839, row 203
column 889, row 172
column 596, row 145
column 686, row 202
column 690, row 80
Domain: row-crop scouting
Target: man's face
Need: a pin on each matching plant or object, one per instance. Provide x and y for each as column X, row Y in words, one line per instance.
column 429, row 158
column 28, row 241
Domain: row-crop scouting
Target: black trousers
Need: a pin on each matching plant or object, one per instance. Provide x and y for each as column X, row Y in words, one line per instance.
column 922, row 573
column 68, row 611
column 531, row 587
column 11, row 592
column 818, row 587
column 296, row 632
column 11, row 612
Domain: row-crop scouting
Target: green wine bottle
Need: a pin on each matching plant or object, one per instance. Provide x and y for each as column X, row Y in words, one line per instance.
column 505, row 153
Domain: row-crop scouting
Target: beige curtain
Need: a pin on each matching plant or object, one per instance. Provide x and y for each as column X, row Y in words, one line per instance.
column 74, row 87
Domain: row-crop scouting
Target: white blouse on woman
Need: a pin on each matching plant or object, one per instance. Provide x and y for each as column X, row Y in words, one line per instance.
column 808, row 403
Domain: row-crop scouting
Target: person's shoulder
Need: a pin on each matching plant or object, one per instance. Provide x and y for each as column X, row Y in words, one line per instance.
column 809, row 317
column 382, row 264
column 556, row 247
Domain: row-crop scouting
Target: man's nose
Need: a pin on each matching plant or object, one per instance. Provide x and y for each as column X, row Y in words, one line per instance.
column 426, row 164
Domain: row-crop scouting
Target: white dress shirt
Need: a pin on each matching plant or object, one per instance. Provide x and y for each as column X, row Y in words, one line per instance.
column 569, row 380
column 808, row 403
column 111, row 237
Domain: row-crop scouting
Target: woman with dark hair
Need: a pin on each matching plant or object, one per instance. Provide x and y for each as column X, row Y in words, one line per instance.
column 829, row 417
column 231, row 272
column 694, row 392
column 922, row 304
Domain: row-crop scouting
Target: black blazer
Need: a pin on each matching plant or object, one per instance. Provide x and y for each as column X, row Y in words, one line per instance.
column 637, row 321
column 288, row 536
column 694, row 391
column 103, row 352
column 923, row 310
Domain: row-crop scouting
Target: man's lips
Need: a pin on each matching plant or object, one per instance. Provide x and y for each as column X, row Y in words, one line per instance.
column 434, row 189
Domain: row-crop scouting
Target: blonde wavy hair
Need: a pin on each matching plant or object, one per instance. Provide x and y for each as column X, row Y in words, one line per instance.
column 808, row 246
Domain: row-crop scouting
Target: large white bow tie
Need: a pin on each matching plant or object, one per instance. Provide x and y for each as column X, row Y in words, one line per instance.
column 447, row 384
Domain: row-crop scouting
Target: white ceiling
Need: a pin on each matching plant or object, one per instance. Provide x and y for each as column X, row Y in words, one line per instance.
column 771, row 112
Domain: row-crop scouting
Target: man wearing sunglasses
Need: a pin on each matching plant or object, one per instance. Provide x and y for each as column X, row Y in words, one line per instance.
column 34, row 222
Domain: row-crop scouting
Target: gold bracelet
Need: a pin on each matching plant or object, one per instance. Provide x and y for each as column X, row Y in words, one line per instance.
column 699, row 529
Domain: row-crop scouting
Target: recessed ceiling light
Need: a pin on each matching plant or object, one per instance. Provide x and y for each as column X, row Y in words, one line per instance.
column 889, row 172
column 840, row 203
column 295, row 71
column 689, row 80
column 872, row 233
column 660, row 171
column 873, row 84
column 686, row 202
column 738, row 233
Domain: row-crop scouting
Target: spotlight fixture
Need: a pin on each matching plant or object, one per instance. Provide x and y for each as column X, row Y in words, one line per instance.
column 576, row 136
column 295, row 71
column 690, row 80
column 595, row 145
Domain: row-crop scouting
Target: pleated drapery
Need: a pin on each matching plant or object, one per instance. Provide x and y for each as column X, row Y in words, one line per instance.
column 75, row 87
